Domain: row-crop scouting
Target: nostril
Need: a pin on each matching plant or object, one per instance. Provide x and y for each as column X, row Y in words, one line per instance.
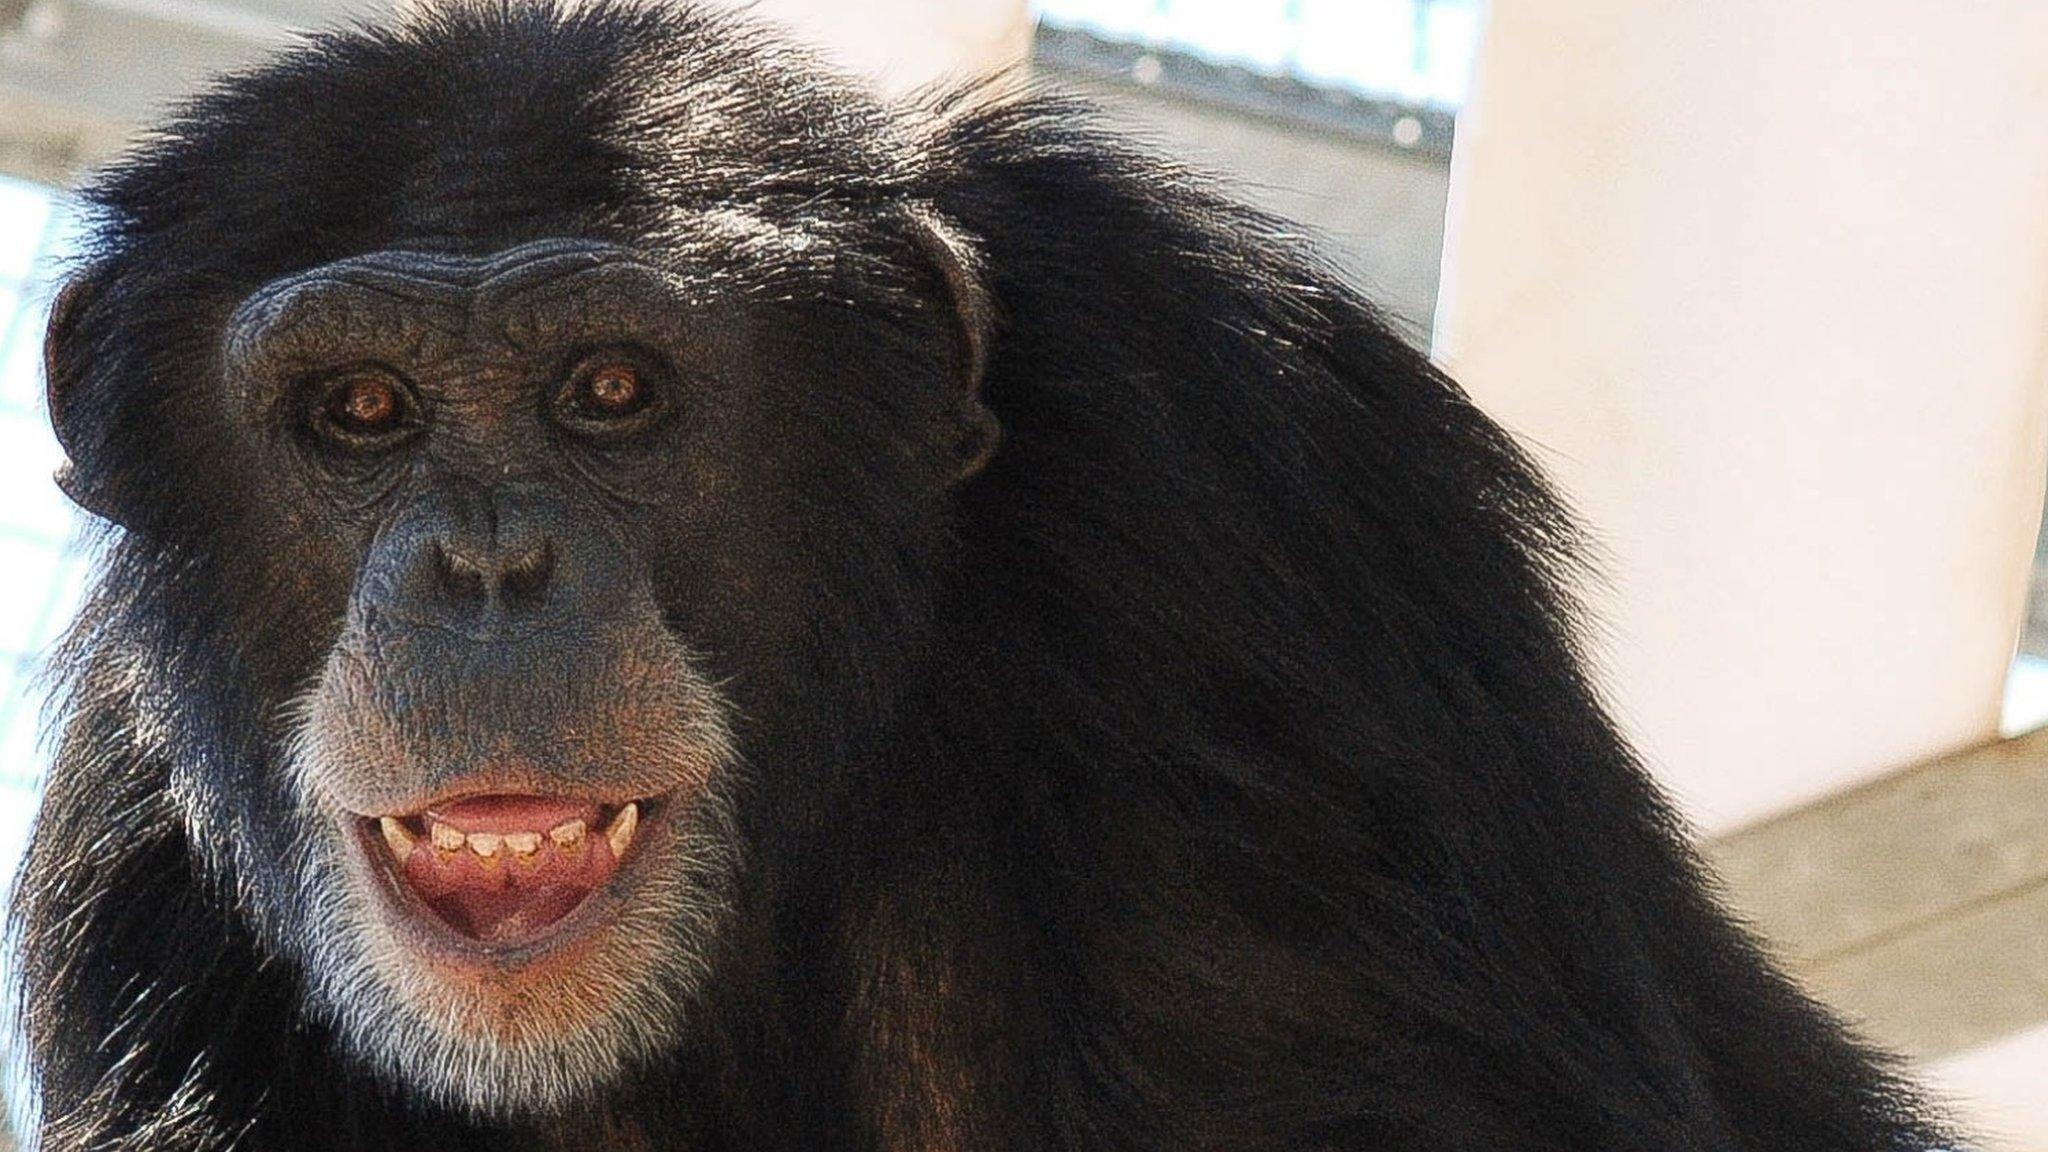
column 526, row 577
column 459, row 576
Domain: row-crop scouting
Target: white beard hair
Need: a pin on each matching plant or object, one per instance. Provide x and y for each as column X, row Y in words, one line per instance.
column 627, row 1004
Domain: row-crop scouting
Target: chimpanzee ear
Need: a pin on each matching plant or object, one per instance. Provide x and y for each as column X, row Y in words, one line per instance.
column 66, row 365
column 958, row 266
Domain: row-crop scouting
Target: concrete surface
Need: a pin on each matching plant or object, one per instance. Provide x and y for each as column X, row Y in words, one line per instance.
column 1918, row 907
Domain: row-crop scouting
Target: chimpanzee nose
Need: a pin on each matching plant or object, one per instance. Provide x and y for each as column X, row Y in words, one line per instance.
column 477, row 575
column 476, row 561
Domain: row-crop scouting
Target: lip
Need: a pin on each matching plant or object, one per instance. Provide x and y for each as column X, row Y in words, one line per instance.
column 422, row 929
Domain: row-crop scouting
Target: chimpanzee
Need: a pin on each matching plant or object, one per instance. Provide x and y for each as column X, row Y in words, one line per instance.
column 653, row 599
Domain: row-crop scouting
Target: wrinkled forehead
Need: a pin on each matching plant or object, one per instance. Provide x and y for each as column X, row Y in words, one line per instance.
column 448, row 290
column 404, row 304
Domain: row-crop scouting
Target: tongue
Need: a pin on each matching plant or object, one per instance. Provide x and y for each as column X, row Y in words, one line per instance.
column 507, row 897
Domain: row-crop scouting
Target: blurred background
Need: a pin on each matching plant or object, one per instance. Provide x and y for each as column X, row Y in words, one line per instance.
column 1764, row 286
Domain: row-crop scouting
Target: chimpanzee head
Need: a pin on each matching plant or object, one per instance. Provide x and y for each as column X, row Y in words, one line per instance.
column 522, row 426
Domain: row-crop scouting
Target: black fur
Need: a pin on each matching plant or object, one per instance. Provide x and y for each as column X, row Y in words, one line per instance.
column 1227, row 780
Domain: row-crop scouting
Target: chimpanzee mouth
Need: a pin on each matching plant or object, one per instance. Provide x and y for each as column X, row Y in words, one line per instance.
column 504, row 872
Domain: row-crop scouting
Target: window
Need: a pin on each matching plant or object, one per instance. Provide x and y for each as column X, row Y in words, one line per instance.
column 43, row 562
column 1412, row 51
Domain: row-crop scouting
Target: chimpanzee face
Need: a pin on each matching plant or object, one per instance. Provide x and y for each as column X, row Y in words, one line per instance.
column 558, row 491
column 514, row 765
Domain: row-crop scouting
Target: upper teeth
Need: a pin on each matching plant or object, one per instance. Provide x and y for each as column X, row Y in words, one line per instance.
column 567, row 836
column 397, row 837
column 620, row 833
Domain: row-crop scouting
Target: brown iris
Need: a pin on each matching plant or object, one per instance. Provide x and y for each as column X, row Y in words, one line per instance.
column 609, row 394
column 366, row 407
column 612, row 389
column 368, row 404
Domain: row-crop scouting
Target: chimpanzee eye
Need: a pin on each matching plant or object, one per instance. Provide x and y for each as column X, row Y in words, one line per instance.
column 607, row 393
column 612, row 389
column 366, row 408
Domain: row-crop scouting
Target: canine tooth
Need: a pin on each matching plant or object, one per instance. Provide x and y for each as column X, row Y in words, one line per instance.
column 620, row 833
column 524, row 843
column 447, row 839
column 568, row 835
column 485, row 844
column 397, row 837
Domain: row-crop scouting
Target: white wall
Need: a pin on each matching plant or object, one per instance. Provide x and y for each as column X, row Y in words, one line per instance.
column 1765, row 285
column 904, row 44
column 2002, row 1090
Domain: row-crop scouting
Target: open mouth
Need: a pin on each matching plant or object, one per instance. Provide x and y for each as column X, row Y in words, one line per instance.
column 502, row 870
